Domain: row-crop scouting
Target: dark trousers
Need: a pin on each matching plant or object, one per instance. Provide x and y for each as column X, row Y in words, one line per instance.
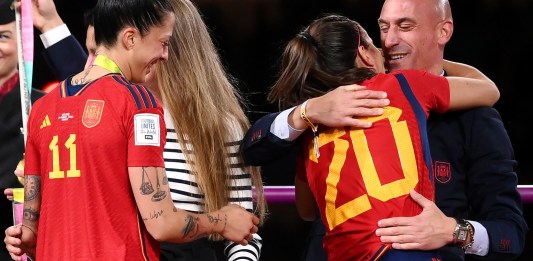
column 199, row 250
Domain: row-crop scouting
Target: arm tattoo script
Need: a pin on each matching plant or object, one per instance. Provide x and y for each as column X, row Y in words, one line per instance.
column 213, row 219
column 32, row 187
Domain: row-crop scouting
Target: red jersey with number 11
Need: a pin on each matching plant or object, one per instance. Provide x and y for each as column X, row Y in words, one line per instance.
column 364, row 175
column 81, row 146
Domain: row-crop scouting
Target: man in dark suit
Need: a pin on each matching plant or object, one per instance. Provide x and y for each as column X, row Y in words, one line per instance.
column 69, row 59
column 479, row 208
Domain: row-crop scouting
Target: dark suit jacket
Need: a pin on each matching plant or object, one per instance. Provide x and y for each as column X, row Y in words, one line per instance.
column 65, row 57
column 11, row 138
column 474, row 172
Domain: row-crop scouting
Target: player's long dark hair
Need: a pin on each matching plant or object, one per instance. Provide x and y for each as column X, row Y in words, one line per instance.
column 319, row 59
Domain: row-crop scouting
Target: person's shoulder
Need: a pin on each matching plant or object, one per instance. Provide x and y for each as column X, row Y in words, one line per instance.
column 138, row 94
column 478, row 112
column 470, row 117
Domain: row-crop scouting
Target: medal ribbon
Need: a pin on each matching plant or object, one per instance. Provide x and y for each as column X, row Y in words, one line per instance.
column 106, row 63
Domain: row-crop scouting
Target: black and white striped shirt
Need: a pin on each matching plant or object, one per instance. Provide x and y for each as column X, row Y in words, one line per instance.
column 186, row 195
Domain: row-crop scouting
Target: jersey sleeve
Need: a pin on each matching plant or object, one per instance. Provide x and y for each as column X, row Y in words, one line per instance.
column 432, row 91
column 146, row 129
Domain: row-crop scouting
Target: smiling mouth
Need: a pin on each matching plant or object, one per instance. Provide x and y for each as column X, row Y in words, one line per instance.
column 396, row 57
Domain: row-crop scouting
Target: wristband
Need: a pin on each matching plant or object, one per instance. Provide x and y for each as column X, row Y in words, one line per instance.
column 314, row 128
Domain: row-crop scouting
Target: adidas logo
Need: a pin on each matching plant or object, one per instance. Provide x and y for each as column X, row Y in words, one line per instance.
column 46, row 122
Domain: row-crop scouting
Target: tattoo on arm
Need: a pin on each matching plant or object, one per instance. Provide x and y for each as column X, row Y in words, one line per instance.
column 213, row 219
column 30, row 214
column 191, row 226
column 146, row 185
column 160, row 194
column 156, row 214
column 165, row 179
column 32, row 187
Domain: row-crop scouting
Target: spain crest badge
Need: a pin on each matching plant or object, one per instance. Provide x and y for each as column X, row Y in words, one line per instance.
column 92, row 113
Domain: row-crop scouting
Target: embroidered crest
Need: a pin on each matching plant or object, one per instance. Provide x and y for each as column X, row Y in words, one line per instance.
column 505, row 245
column 256, row 135
column 92, row 113
column 443, row 171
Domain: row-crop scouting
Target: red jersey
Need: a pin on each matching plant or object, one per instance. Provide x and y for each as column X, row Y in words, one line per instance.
column 364, row 175
column 81, row 146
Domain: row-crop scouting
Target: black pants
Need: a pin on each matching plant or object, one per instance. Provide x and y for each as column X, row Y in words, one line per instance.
column 199, row 250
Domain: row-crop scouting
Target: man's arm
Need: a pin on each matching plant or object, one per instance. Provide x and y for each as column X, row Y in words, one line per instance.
column 265, row 141
column 65, row 57
column 63, row 52
column 494, row 200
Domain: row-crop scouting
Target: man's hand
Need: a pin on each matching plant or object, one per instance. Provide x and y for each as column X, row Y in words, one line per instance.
column 45, row 16
column 344, row 105
column 429, row 230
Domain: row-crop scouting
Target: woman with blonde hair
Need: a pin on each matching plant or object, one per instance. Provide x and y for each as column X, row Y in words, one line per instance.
column 202, row 111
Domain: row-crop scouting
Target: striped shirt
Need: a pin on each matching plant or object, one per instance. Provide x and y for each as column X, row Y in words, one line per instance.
column 187, row 196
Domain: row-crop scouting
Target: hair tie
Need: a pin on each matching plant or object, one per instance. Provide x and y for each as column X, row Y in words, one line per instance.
column 308, row 38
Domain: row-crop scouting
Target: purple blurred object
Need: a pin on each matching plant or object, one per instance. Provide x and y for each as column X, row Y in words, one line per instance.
column 285, row 194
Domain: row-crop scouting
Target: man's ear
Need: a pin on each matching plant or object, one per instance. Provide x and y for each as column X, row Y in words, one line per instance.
column 445, row 31
column 364, row 59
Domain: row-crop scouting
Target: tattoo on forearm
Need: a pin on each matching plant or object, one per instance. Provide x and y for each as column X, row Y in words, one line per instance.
column 32, row 187
column 165, row 179
column 213, row 219
column 146, row 185
column 30, row 214
column 191, row 226
column 160, row 194
column 156, row 214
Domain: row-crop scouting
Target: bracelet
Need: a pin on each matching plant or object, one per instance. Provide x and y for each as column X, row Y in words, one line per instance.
column 26, row 226
column 314, row 128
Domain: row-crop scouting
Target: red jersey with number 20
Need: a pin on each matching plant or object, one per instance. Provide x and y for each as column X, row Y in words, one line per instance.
column 81, row 146
column 364, row 175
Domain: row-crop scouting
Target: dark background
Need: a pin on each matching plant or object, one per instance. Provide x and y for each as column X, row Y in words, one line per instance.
column 493, row 35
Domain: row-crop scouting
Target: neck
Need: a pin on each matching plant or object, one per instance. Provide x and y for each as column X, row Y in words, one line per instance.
column 117, row 59
column 4, row 78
